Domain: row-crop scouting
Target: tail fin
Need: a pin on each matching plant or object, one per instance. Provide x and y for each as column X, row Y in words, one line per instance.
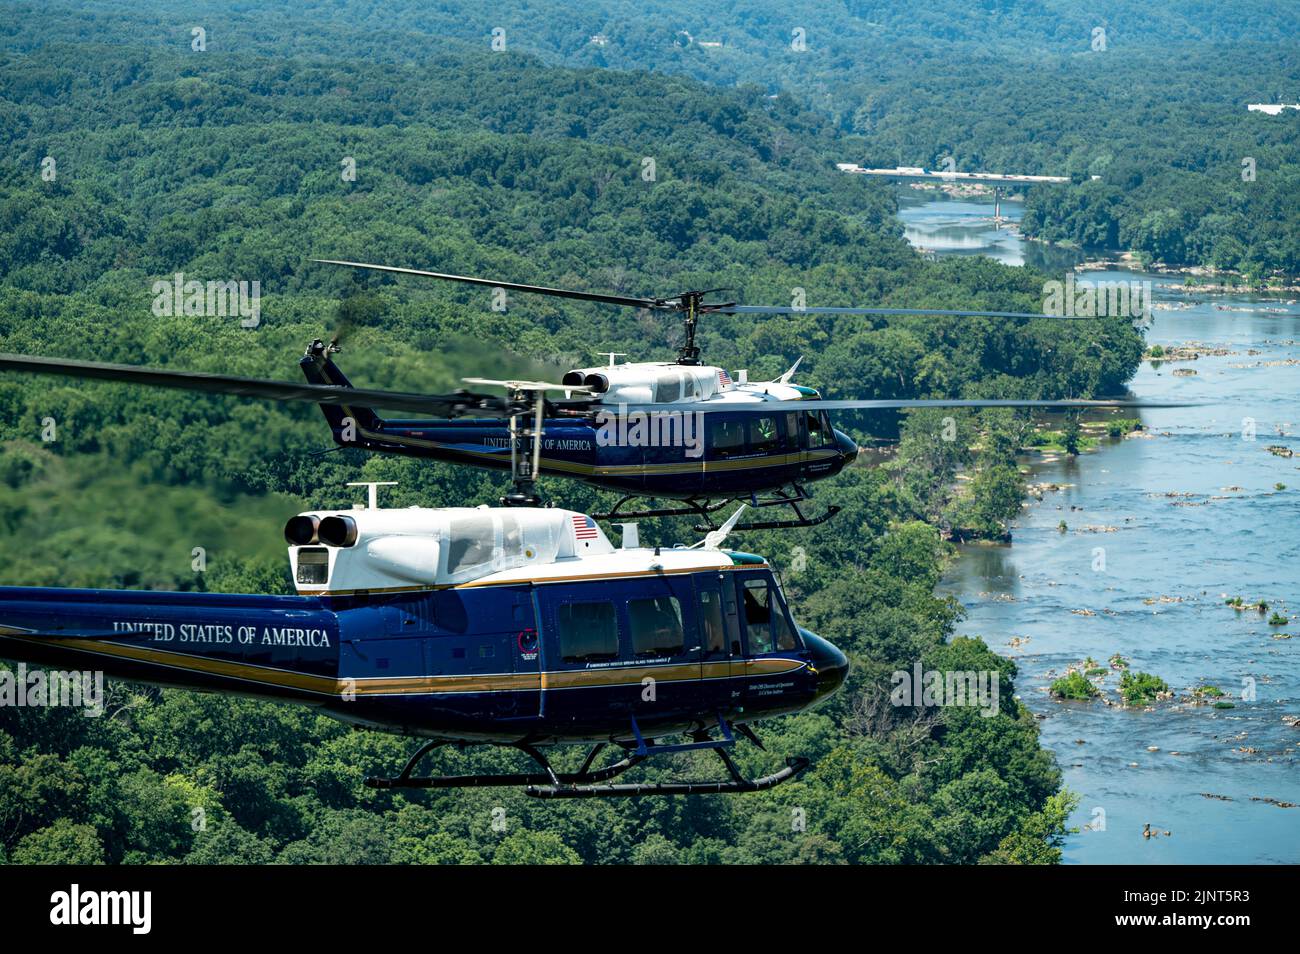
column 348, row 423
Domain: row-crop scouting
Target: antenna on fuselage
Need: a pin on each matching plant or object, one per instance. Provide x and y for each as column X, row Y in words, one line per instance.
column 612, row 355
column 372, row 496
column 714, row 538
column 789, row 375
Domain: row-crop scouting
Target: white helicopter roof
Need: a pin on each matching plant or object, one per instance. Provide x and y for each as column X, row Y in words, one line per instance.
column 420, row 548
column 665, row 382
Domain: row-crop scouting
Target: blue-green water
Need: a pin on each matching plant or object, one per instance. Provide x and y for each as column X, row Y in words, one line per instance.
column 947, row 226
column 1196, row 518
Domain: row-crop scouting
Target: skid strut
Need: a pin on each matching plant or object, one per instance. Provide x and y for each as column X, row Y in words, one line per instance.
column 703, row 509
column 692, row 508
column 782, row 498
column 587, row 782
column 793, row 767
column 548, row 776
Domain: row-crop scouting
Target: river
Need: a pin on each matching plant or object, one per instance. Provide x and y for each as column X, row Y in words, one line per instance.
column 1162, row 528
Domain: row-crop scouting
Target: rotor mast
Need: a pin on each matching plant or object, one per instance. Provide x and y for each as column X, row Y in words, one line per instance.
column 525, row 449
column 689, row 353
column 527, row 413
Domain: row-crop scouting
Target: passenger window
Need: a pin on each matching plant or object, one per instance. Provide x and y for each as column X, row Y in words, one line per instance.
column 711, row 624
column 762, row 434
column 587, row 631
column 728, row 437
column 656, row 626
column 790, row 439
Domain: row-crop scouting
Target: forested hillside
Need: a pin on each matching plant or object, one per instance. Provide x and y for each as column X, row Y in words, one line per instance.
column 1150, row 98
column 227, row 165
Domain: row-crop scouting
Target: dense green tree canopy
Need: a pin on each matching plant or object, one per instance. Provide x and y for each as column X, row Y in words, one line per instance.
column 228, row 165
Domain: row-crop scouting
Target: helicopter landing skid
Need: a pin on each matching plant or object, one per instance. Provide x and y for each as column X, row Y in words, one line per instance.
column 781, row 498
column 700, row 739
column 694, row 508
column 703, row 509
column 794, row 766
column 585, row 782
column 549, row 777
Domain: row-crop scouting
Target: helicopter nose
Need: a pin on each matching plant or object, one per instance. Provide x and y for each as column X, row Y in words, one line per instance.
column 830, row 664
column 848, row 448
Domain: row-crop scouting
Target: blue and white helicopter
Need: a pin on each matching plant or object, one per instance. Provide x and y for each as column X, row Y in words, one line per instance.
column 508, row 626
column 680, row 430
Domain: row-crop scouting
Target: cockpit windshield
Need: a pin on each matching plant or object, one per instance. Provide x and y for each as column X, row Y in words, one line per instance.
column 766, row 619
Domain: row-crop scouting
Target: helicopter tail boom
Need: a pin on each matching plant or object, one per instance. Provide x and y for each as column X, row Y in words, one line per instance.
column 348, row 424
column 268, row 646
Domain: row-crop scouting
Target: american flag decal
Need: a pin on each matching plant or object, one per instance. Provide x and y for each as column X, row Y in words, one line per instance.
column 584, row 528
column 724, row 378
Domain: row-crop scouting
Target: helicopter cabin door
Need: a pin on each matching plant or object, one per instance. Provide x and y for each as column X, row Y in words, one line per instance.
column 525, row 647
column 770, row 638
column 722, row 661
column 617, row 649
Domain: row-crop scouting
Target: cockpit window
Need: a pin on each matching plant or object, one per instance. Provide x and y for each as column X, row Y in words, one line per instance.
column 813, row 422
column 820, row 433
column 781, row 630
column 827, row 432
column 765, row 620
column 758, row 617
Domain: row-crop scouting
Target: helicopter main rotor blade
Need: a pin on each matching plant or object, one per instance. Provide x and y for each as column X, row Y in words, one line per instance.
column 941, row 312
column 527, row 385
column 446, row 405
column 652, row 303
column 683, row 302
column 886, row 404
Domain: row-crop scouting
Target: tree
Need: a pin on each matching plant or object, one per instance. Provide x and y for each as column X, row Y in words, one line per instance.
column 1072, row 434
column 534, row 848
column 63, row 843
column 1039, row 839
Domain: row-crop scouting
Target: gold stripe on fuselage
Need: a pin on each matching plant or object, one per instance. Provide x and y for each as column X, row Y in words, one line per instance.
column 667, row 672
column 420, row 685
column 186, row 662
